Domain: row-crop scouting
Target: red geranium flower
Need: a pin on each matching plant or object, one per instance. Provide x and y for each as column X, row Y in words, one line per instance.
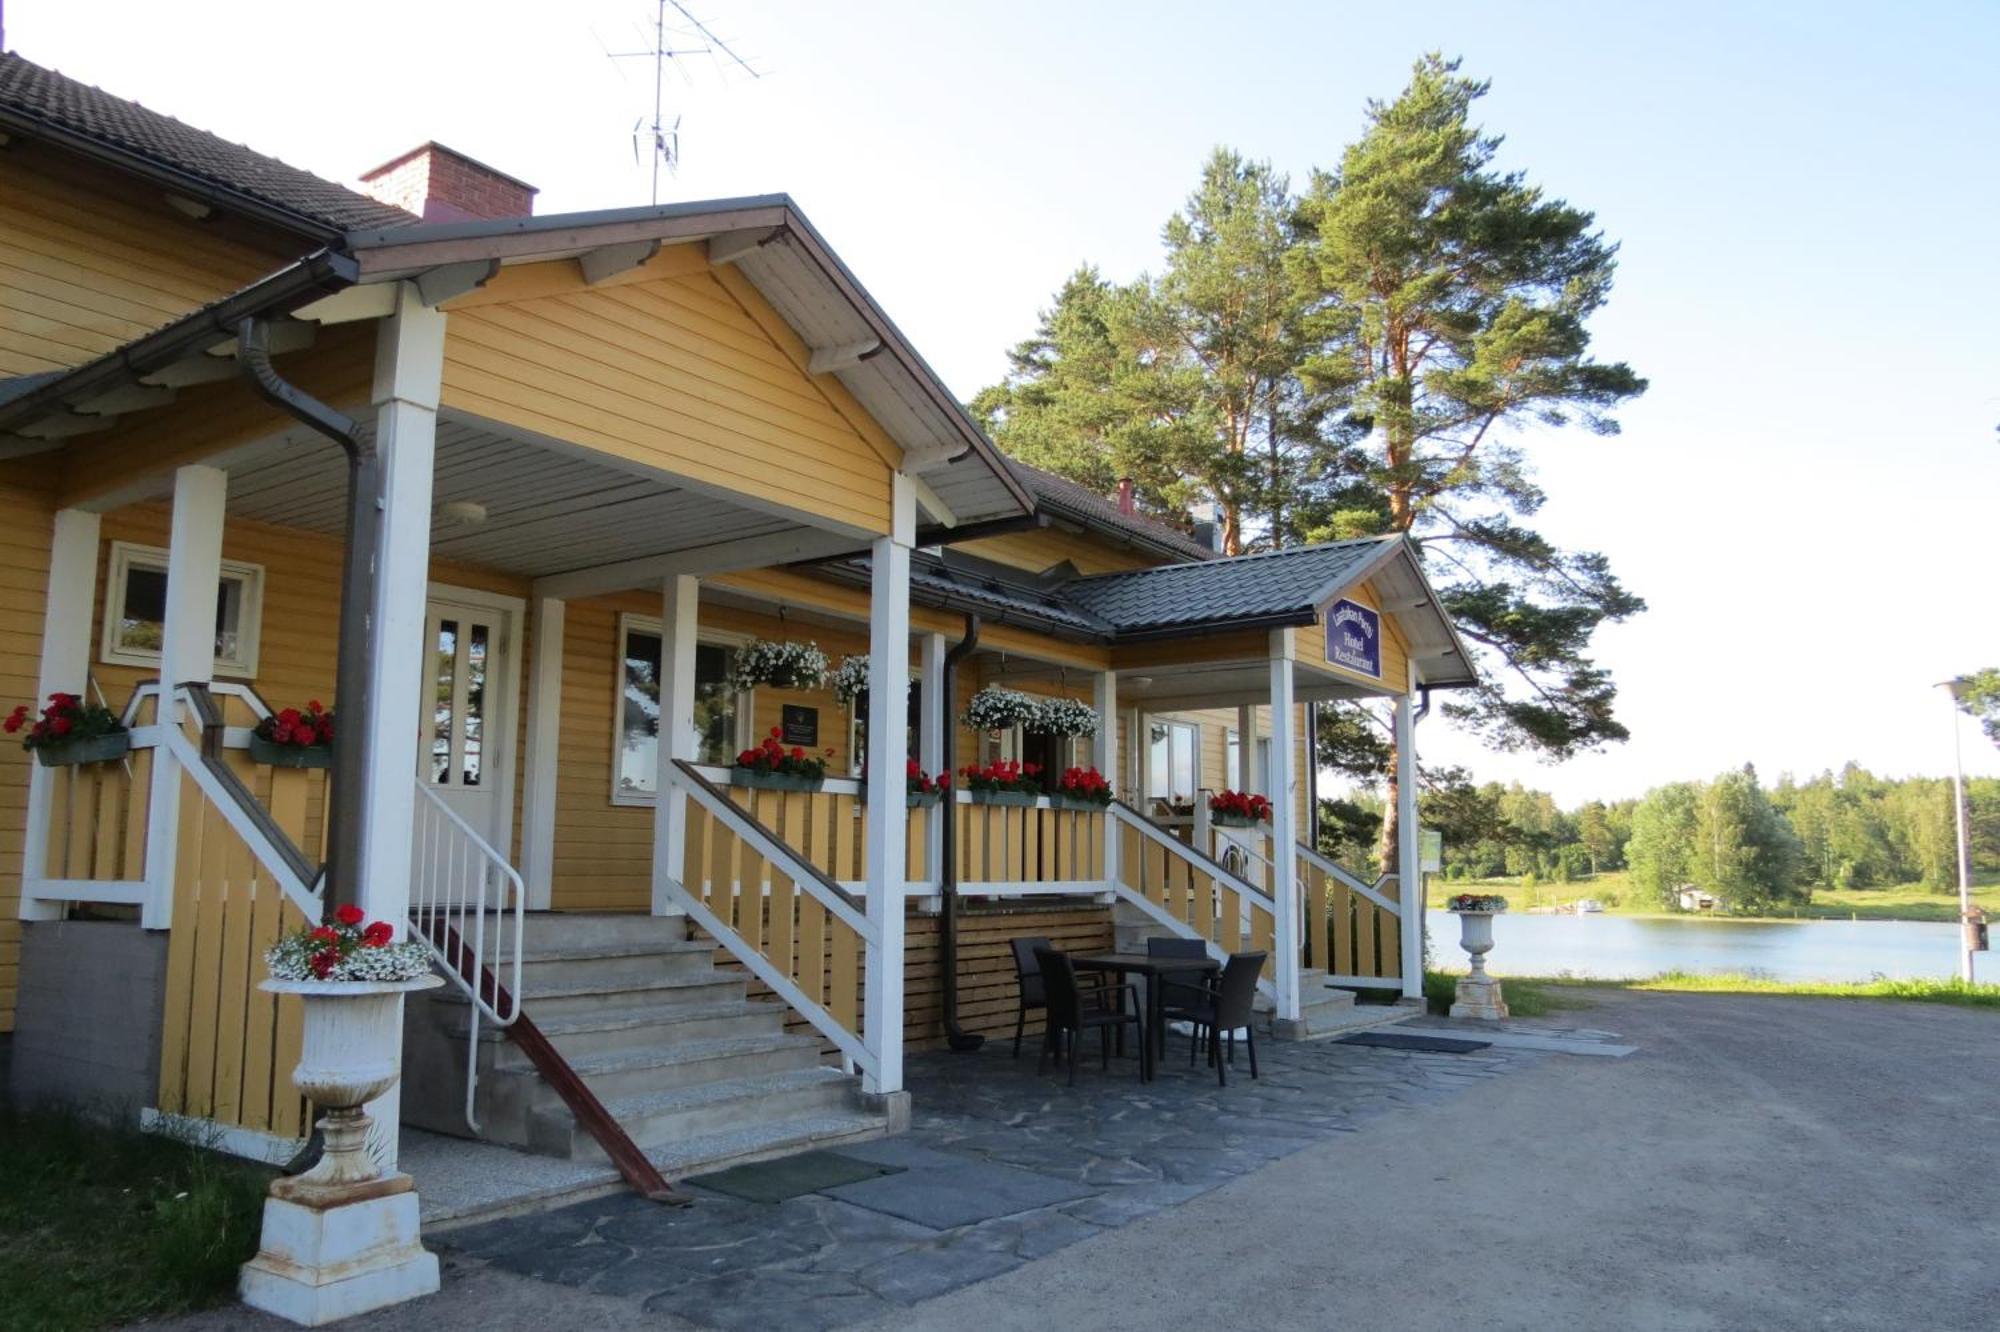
column 378, row 934
column 349, row 914
column 323, row 963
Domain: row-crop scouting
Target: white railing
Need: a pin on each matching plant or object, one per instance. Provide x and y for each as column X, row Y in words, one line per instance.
column 466, row 905
column 1187, row 891
column 789, row 922
column 1354, row 930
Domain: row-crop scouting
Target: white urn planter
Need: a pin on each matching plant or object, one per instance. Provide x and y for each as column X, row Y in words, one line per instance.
column 342, row 1238
column 1478, row 994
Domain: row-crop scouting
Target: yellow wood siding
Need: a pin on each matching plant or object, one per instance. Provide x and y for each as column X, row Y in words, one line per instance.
column 26, row 520
column 1309, row 645
column 90, row 260
column 209, row 419
column 673, row 373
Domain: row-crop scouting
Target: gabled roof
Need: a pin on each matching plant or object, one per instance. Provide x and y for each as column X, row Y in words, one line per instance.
column 42, row 103
column 1274, row 590
column 1275, row 586
column 1066, row 498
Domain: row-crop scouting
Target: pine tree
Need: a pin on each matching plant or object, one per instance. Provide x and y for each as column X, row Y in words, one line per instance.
column 1450, row 303
column 1186, row 383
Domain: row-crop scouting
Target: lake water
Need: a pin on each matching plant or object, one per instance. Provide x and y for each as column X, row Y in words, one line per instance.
column 1631, row 946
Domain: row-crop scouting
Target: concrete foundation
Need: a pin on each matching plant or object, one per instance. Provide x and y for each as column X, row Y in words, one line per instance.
column 87, row 1023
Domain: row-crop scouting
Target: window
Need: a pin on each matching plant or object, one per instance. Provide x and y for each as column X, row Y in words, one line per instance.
column 720, row 712
column 1170, row 766
column 135, row 610
column 857, row 729
column 1260, row 768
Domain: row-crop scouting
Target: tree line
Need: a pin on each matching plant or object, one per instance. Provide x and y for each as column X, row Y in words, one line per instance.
column 1752, row 848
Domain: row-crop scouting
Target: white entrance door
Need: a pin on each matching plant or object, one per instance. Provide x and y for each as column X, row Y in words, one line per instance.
column 468, row 713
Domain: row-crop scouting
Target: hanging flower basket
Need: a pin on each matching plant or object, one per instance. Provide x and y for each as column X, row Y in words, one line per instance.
column 924, row 790
column 997, row 709
column 70, row 731
column 1005, row 782
column 290, row 756
column 91, row 749
column 1062, row 716
column 1080, row 788
column 775, row 768
column 774, row 781
column 849, row 680
column 1238, row 809
column 295, row 738
column 781, row 665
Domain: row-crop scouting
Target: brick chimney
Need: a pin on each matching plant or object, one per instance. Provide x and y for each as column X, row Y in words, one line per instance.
column 1128, row 503
column 440, row 184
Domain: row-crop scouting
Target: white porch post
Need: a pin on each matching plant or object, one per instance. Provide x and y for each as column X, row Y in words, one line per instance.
column 1284, row 858
column 1104, row 754
column 409, row 366
column 888, row 703
column 1409, row 847
column 547, row 616
column 680, row 601
column 65, row 668
column 930, row 753
column 1247, row 776
column 187, row 656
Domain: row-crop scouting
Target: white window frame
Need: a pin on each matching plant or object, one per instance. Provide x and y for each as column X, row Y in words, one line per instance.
column 746, row 699
column 1194, row 756
column 125, row 555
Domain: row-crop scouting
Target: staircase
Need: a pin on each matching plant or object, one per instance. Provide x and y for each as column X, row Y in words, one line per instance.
column 698, row 1075
column 1325, row 1011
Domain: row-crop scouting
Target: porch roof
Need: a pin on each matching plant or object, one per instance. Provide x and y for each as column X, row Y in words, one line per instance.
column 1273, row 590
column 766, row 238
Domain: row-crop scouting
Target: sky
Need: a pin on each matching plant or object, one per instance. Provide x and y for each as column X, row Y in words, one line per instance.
column 1805, row 197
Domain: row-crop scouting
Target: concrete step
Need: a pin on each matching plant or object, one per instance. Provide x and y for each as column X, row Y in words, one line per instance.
column 590, row 929
column 708, row 1152
column 676, row 1114
column 563, row 998
column 544, row 966
column 638, row 1070
column 596, row 1031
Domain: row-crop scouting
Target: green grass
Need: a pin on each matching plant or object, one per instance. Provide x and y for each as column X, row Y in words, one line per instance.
column 1531, row 996
column 101, row 1226
column 1614, row 888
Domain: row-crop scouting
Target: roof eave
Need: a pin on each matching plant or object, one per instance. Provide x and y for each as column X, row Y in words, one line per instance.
column 171, row 177
column 318, row 274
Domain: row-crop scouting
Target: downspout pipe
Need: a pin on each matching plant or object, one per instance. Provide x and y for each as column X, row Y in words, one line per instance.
column 354, row 698
column 957, row 1037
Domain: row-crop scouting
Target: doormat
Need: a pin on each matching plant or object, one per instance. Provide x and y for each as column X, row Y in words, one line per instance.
column 791, row 1176
column 1403, row 1040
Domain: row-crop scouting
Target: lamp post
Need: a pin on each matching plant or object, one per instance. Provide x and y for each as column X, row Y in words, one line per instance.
column 1967, row 926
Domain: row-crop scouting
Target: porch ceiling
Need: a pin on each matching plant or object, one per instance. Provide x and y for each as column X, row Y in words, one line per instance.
column 1185, row 686
column 546, row 511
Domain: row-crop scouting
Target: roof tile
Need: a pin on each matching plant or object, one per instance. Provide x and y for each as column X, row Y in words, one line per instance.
column 44, row 95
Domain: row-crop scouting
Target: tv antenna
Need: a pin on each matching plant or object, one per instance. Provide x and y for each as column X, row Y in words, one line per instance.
column 664, row 140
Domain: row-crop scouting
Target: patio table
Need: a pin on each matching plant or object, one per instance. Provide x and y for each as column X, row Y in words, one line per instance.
column 1154, row 969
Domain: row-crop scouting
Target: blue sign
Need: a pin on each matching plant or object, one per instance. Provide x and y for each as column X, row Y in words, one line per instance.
column 1354, row 637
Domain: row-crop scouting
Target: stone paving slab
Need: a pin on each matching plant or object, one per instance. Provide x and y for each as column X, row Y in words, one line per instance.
column 962, row 1194
column 1005, row 1166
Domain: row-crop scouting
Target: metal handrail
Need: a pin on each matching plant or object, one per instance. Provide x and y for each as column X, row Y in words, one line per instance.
column 453, row 869
column 844, row 906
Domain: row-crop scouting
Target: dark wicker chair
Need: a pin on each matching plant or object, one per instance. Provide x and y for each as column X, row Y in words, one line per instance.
column 1074, row 1010
column 1227, row 1005
column 1180, row 991
column 1028, row 976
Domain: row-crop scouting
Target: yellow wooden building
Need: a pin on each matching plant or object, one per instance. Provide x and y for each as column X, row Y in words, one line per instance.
column 583, row 459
